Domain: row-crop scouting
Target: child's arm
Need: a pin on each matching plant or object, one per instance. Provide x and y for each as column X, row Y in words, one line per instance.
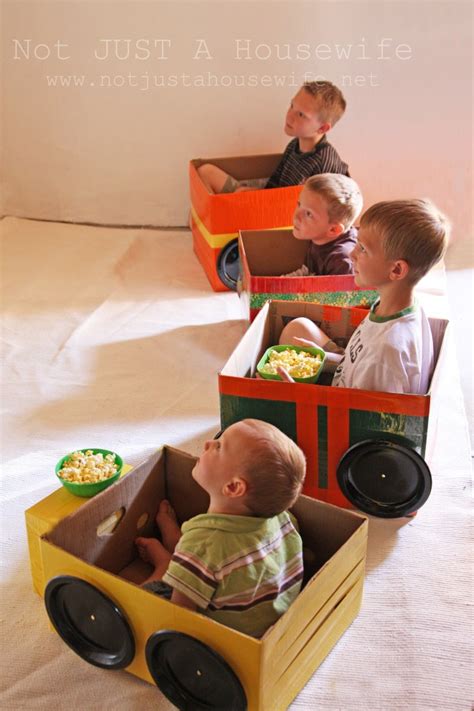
column 301, row 272
column 183, row 601
column 214, row 178
column 284, row 375
column 331, row 362
column 303, row 332
column 334, row 353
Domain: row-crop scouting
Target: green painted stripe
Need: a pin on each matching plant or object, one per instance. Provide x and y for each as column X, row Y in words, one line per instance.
column 276, row 412
column 408, row 430
column 334, row 298
column 322, row 447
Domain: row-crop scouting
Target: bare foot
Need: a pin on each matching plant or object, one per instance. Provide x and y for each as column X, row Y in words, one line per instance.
column 168, row 525
column 153, row 552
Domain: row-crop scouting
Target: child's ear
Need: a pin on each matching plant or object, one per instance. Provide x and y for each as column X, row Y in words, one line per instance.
column 336, row 229
column 235, row 487
column 324, row 128
column 399, row 270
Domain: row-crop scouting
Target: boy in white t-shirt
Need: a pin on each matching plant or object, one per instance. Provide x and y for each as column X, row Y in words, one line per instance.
column 392, row 349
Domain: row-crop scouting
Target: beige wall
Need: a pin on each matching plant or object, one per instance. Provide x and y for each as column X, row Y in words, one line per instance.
column 119, row 154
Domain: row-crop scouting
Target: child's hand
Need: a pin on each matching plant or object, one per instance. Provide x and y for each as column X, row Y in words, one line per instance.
column 301, row 272
column 305, row 342
column 243, row 189
column 284, row 375
column 178, row 598
column 282, row 372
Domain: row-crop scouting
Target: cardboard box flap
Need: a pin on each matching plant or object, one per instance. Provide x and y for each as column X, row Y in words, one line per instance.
column 186, row 496
column 104, row 529
column 339, row 323
column 131, row 501
column 438, row 330
column 268, row 325
column 440, row 345
column 241, row 167
column 324, row 528
column 272, row 252
column 251, row 347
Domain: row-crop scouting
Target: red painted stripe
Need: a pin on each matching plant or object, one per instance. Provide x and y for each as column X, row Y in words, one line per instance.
column 338, row 443
column 265, row 389
column 199, row 196
column 208, row 257
column 396, row 403
column 332, row 313
column 301, row 285
column 338, row 398
column 307, row 437
column 252, row 210
column 357, row 315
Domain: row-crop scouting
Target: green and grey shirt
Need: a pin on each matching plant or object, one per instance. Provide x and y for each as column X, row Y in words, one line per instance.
column 242, row 571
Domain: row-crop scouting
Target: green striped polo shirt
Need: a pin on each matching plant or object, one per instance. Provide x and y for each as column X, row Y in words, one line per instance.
column 242, row 571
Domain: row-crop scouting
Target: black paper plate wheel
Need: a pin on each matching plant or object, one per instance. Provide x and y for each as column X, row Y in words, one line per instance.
column 228, row 265
column 384, row 479
column 192, row 675
column 89, row 622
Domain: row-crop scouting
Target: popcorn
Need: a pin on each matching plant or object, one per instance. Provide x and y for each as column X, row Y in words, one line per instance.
column 298, row 364
column 88, row 468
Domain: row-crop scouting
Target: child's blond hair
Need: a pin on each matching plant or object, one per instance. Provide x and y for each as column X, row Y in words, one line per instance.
column 274, row 470
column 341, row 194
column 412, row 230
column 330, row 101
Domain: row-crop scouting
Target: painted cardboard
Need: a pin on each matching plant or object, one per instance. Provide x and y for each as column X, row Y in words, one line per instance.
column 323, row 420
column 42, row 517
column 267, row 254
column 217, row 219
column 273, row 669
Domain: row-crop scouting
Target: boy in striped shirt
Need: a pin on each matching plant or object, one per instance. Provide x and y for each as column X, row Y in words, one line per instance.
column 240, row 563
column 315, row 109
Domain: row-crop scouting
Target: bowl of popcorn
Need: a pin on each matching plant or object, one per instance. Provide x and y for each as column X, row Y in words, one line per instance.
column 303, row 363
column 85, row 472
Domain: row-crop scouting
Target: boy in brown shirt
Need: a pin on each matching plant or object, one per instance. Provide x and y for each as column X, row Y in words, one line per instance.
column 326, row 210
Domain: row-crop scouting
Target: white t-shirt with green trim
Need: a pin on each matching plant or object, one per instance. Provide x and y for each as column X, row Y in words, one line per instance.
column 390, row 354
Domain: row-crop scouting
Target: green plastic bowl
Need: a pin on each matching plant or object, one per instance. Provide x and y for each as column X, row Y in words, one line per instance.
column 88, row 490
column 313, row 350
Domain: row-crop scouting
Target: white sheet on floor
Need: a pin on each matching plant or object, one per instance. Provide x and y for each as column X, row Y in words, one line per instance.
column 113, row 338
